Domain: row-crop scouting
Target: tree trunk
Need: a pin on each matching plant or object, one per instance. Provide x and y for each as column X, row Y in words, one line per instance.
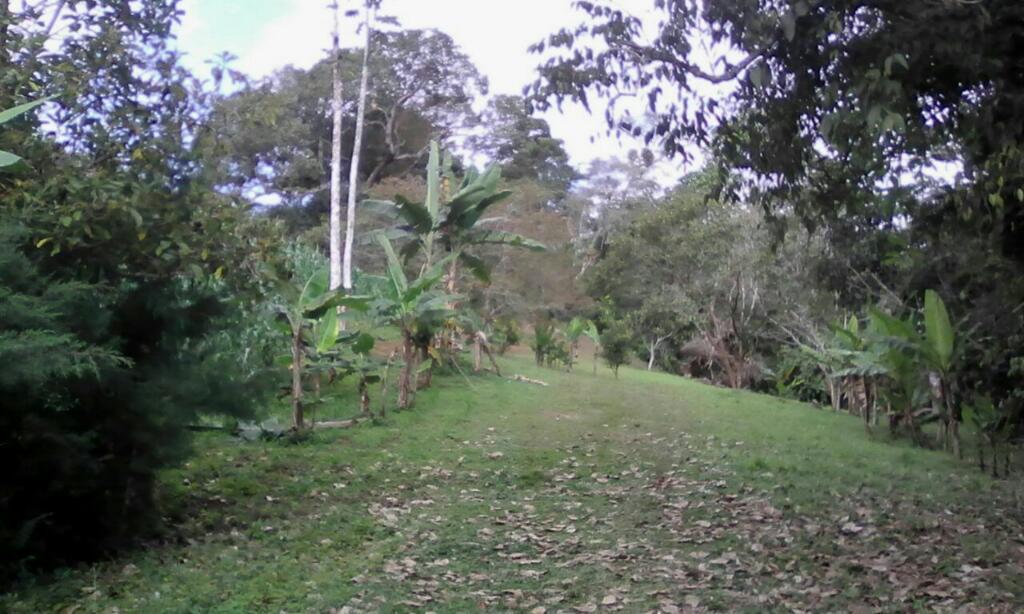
column 353, row 175
column 650, row 360
column 364, row 397
column 387, row 368
column 407, row 377
column 424, row 379
column 335, row 214
column 297, row 414
column 477, row 354
column 483, row 346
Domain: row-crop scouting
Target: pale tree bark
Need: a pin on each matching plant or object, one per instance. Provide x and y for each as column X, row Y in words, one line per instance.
column 353, row 176
column 298, row 420
column 335, row 216
column 654, row 344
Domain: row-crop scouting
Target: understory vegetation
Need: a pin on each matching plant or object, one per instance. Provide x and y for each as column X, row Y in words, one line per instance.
column 769, row 357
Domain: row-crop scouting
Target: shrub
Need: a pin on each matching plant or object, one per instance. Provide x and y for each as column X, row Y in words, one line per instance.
column 99, row 385
column 617, row 344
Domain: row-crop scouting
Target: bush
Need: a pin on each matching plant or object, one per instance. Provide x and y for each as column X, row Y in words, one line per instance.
column 617, row 344
column 99, row 386
column 543, row 340
column 506, row 334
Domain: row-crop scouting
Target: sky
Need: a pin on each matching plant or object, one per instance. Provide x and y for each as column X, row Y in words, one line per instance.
column 268, row 34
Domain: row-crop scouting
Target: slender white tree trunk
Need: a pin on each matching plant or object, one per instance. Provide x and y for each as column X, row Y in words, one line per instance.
column 335, row 219
column 650, row 361
column 353, row 175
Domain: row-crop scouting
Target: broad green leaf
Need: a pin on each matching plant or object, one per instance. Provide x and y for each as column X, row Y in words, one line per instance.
column 476, row 266
column 938, row 329
column 9, row 114
column 395, row 272
column 500, row 237
column 8, row 159
column 315, row 287
column 416, row 215
column 328, row 331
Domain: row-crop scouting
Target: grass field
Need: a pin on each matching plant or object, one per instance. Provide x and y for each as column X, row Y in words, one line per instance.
column 646, row 493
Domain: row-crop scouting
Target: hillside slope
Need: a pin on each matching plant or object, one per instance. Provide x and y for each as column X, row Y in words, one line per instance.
column 647, row 492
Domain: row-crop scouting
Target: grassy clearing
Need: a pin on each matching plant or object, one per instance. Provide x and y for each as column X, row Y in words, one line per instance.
column 650, row 492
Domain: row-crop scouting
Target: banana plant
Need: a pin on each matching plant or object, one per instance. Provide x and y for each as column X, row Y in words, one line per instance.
column 341, row 353
column 591, row 332
column 7, row 158
column 938, row 346
column 414, row 307
column 573, row 331
column 452, row 225
column 302, row 307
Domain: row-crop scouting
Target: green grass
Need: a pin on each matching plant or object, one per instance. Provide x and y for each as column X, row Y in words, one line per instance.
column 633, row 493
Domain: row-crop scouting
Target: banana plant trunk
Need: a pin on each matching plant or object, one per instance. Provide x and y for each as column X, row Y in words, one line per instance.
column 407, row 377
column 424, row 379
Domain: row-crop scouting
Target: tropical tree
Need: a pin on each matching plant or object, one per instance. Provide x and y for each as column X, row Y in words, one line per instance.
column 303, row 302
column 455, row 224
column 414, row 307
column 357, row 146
column 574, row 330
column 938, row 350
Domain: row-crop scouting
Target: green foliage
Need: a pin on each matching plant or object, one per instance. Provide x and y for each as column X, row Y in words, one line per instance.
column 938, row 331
column 101, row 383
column 617, row 342
column 123, row 292
column 505, row 334
column 544, row 340
column 455, row 225
column 7, row 158
column 523, row 144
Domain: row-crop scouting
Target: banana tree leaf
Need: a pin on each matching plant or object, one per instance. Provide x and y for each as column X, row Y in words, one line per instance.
column 409, row 250
column 459, row 204
column 500, row 237
column 8, row 159
column 471, row 217
column 327, row 331
column 417, row 215
column 393, row 233
column 314, row 288
column 380, row 207
column 333, row 300
column 476, row 266
column 395, row 272
column 9, row 114
column 891, row 326
column 938, row 330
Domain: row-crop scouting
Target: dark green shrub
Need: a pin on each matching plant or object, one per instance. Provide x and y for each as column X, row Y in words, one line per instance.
column 617, row 344
column 99, row 385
